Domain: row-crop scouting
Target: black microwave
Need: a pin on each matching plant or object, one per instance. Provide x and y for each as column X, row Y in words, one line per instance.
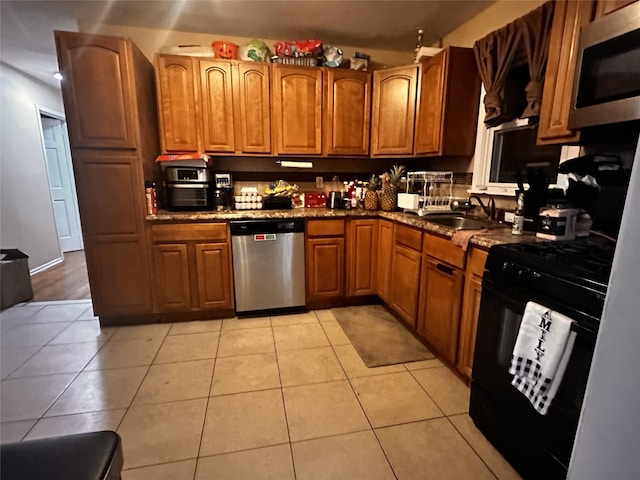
column 607, row 83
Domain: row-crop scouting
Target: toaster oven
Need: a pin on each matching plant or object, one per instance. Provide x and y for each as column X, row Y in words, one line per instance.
column 188, row 188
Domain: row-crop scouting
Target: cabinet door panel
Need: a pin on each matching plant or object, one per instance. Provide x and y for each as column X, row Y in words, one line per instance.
column 325, row 268
column 347, row 116
column 430, row 106
column 568, row 18
column 394, row 108
column 362, row 239
column 255, row 115
column 469, row 324
column 385, row 253
column 108, row 196
column 440, row 317
column 216, row 97
column 214, row 275
column 179, row 116
column 97, row 90
column 172, row 272
column 298, row 110
column 405, row 283
column 118, row 277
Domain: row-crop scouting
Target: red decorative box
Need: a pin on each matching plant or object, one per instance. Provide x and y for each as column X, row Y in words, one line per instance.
column 315, row 200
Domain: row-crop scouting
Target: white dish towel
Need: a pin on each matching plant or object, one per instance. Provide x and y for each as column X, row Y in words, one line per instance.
column 541, row 353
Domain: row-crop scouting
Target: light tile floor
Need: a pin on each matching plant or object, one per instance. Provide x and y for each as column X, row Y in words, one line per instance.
column 283, row 397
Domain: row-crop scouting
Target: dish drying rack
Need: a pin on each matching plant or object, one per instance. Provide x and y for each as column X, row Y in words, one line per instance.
column 434, row 192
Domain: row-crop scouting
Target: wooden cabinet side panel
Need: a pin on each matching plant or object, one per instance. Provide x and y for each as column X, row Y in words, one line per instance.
column 324, row 268
column 461, row 102
column 385, row 254
column 213, row 269
column 439, row 321
column 405, row 283
column 470, row 310
column 362, row 257
column 216, row 97
column 393, row 111
column 254, row 119
column 97, row 90
column 297, row 110
column 178, row 97
column 605, row 7
column 347, row 116
column 172, row 277
column 568, row 18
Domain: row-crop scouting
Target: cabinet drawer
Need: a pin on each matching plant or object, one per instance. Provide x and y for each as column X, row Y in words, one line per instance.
column 170, row 232
column 325, row 228
column 409, row 237
column 443, row 249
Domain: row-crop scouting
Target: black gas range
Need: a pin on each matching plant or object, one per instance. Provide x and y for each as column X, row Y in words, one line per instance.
column 569, row 277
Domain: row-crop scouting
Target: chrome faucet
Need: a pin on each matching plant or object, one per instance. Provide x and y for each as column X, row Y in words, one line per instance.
column 489, row 210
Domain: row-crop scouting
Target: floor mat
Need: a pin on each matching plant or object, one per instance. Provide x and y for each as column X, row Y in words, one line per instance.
column 379, row 338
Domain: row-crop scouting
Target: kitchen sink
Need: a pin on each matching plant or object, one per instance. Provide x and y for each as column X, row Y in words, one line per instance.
column 459, row 222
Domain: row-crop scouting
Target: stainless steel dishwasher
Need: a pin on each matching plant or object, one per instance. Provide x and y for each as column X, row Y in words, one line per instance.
column 268, row 264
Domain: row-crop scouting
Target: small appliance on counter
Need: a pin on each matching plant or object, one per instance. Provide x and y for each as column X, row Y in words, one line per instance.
column 223, row 192
column 188, row 188
column 557, row 222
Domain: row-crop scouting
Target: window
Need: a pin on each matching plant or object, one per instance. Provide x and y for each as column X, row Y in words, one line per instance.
column 503, row 151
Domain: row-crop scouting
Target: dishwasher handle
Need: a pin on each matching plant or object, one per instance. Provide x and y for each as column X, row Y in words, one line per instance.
column 253, row 227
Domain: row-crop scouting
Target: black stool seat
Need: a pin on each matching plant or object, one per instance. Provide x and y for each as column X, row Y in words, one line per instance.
column 86, row 456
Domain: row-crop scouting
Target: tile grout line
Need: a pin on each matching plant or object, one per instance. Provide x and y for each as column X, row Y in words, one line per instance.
column 284, row 405
column 471, row 446
column 206, row 407
column 353, row 390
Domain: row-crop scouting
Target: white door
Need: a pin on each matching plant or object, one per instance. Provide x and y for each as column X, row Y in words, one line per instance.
column 61, row 182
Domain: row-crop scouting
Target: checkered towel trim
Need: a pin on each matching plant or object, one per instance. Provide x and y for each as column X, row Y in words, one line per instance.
column 528, row 380
column 540, row 402
column 529, row 370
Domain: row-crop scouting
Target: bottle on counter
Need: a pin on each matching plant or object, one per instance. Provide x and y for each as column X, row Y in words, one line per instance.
column 518, row 218
column 151, row 195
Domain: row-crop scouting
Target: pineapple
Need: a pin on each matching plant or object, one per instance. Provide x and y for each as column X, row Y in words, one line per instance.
column 390, row 182
column 371, row 195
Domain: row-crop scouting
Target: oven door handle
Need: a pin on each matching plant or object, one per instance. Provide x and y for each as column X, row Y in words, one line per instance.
column 489, row 287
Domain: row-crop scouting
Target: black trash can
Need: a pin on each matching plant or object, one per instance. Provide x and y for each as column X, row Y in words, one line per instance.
column 15, row 281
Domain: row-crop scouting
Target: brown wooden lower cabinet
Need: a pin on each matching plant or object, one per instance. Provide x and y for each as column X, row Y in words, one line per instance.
column 441, row 298
column 470, row 310
column 405, row 283
column 385, row 253
column 192, row 272
column 362, row 236
column 324, row 260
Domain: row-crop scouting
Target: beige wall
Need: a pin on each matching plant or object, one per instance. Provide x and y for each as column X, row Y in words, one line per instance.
column 26, row 208
column 493, row 18
column 151, row 41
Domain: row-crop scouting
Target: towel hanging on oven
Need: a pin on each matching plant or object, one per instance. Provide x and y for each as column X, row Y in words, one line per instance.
column 541, row 354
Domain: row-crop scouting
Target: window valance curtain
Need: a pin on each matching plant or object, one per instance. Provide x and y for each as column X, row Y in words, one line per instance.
column 495, row 53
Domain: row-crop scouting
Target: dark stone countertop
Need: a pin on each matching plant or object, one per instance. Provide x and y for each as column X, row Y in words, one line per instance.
column 494, row 236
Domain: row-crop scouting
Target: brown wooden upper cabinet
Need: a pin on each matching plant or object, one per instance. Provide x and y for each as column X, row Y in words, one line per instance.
column 447, row 104
column 177, row 94
column 393, row 111
column 297, row 110
column 213, row 106
column 347, row 113
column 97, row 90
column 568, row 18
